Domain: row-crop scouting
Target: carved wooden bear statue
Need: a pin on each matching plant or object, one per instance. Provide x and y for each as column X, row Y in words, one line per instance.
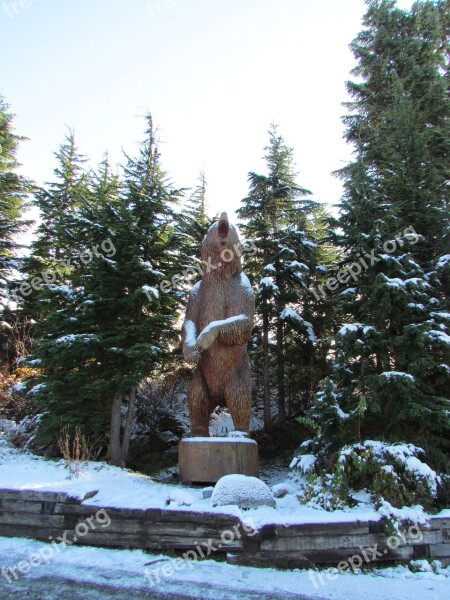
column 218, row 325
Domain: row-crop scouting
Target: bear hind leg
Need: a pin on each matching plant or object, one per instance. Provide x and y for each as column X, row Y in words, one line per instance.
column 199, row 406
column 238, row 396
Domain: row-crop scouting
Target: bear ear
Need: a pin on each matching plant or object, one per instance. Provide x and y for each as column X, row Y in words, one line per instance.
column 223, row 226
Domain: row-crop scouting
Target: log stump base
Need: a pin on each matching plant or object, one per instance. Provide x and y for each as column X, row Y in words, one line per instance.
column 207, row 459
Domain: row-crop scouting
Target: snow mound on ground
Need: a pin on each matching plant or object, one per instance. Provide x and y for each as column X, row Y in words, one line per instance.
column 6, row 426
column 179, row 498
column 280, row 490
column 247, row 492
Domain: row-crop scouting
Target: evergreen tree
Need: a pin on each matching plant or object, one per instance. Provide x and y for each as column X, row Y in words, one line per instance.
column 13, row 192
column 138, row 322
column 192, row 223
column 53, row 295
column 58, row 202
column 194, row 219
column 276, row 213
column 57, row 239
column 390, row 377
column 256, row 231
column 68, row 349
column 114, row 327
column 311, row 322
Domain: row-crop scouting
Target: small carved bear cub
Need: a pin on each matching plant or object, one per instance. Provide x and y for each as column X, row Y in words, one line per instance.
column 218, row 325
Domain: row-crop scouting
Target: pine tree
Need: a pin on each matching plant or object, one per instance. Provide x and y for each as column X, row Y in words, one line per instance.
column 65, row 348
column 57, row 202
column 192, row 224
column 57, row 240
column 114, row 327
column 311, row 322
column 275, row 212
column 138, row 325
column 13, row 193
column 391, row 353
column 194, row 219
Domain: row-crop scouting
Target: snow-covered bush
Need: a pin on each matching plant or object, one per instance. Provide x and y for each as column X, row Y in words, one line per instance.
column 14, row 403
column 20, row 434
column 326, row 419
column 388, row 472
column 323, row 491
column 423, row 566
column 161, row 406
column 443, row 494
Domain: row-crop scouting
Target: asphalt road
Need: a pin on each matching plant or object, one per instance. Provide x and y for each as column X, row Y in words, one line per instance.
column 100, row 580
column 55, row 588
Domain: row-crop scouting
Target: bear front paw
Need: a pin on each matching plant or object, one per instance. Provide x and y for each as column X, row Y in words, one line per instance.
column 191, row 355
column 206, row 339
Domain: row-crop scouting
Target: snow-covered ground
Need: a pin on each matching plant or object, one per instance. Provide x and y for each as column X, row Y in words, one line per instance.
column 106, row 572
column 20, row 469
column 117, row 487
column 86, row 572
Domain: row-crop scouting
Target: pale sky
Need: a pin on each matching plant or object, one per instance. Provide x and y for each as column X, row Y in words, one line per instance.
column 213, row 73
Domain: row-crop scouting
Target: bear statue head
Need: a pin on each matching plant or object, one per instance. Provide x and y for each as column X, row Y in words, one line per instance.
column 220, row 252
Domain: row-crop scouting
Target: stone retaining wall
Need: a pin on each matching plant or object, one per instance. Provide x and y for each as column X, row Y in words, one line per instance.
column 47, row 515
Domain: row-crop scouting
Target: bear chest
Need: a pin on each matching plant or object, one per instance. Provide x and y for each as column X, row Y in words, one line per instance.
column 219, row 302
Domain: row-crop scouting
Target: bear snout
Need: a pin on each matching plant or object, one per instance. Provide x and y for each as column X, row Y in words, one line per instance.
column 224, row 226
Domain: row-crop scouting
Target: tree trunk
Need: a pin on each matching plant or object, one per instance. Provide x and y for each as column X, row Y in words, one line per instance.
column 266, row 378
column 114, row 452
column 128, row 424
column 289, row 396
column 379, row 363
column 280, row 371
column 309, row 374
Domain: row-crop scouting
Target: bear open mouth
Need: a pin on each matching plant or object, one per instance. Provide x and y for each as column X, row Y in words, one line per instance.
column 224, row 227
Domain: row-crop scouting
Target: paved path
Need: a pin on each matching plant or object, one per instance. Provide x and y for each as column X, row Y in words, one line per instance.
column 55, row 588
column 101, row 580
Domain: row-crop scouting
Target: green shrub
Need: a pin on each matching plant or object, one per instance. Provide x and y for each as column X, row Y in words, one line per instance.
column 390, row 473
